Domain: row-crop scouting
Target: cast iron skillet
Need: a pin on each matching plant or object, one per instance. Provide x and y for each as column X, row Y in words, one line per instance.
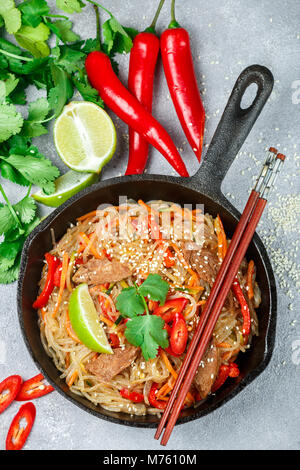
column 203, row 188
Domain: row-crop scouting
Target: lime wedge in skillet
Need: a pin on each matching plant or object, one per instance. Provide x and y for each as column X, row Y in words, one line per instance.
column 65, row 187
column 85, row 320
column 84, row 136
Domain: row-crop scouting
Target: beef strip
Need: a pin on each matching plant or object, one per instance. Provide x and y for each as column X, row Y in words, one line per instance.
column 203, row 261
column 207, row 371
column 106, row 366
column 100, row 271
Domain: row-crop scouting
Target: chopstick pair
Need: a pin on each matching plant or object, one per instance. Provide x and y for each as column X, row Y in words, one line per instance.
column 227, row 272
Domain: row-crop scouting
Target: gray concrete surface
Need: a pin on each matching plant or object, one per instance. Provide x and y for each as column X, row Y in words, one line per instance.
column 227, row 36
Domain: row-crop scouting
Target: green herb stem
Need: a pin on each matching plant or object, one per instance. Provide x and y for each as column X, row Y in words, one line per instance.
column 102, row 7
column 14, row 56
column 98, row 27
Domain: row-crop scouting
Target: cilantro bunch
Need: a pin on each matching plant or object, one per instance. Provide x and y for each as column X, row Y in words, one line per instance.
column 144, row 330
column 59, row 71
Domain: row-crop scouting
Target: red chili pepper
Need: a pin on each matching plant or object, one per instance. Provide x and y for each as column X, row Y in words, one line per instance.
column 78, row 261
column 129, row 109
column 160, row 404
column 11, row 386
column 57, row 275
column 225, row 371
column 17, row 435
column 114, row 339
column 43, row 298
column 179, row 70
column 170, row 308
column 179, row 335
column 133, row 396
column 34, row 388
column 237, row 290
column 143, row 59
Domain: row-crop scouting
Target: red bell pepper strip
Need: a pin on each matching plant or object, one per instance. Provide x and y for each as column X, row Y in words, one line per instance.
column 43, row 298
column 34, row 388
column 179, row 70
column 225, row 371
column 17, row 435
column 142, row 64
column 129, row 109
column 133, row 396
column 11, row 386
column 171, row 308
column 237, row 290
column 57, row 275
column 160, row 404
column 179, row 335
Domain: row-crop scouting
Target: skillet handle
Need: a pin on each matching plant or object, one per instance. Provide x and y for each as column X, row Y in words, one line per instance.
column 234, row 127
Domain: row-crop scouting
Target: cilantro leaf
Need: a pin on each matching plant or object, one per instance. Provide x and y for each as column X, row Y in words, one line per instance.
column 25, row 209
column 7, row 221
column 10, row 121
column 148, row 333
column 36, row 169
column 129, row 303
column 38, row 110
column 69, row 59
column 155, row 288
column 62, row 90
column 116, row 39
column 87, row 92
column 11, row 274
column 11, row 16
column 34, row 39
column 63, row 30
column 33, row 11
column 70, row 6
column 10, row 173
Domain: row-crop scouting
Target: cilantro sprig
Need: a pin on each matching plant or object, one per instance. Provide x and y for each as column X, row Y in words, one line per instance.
column 144, row 330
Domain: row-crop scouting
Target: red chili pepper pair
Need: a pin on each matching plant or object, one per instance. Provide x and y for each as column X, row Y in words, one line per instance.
column 13, row 388
column 225, row 371
column 179, row 70
column 53, row 264
column 171, row 312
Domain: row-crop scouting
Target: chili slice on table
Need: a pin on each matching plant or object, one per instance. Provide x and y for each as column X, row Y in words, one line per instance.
column 11, row 385
column 136, row 397
column 17, row 434
column 43, row 298
column 34, row 388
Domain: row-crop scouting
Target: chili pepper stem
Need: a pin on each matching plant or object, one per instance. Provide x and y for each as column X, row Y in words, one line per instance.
column 98, row 26
column 174, row 23
column 151, row 28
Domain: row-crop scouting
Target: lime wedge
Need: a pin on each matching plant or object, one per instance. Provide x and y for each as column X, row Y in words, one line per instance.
column 84, row 136
column 66, row 186
column 85, row 320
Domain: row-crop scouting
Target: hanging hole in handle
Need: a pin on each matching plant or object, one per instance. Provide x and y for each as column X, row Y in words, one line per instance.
column 249, row 96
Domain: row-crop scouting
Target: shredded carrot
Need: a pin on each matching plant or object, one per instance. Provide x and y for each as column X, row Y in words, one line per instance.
column 89, row 244
column 174, row 373
column 250, row 273
column 223, row 345
column 70, row 330
column 64, row 270
column 86, row 216
column 201, row 302
column 182, row 260
column 148, row 208
column 72, row 378
column 106, row 320
column 222, row 240
column 164, row 390
column 67, row 360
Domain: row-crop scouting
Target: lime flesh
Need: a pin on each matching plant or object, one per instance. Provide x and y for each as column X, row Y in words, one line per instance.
column 65, row 187
column 85, row 136
column 85, row 321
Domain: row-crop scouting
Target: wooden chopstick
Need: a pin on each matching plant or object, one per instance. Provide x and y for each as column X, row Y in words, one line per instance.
column 243, row 233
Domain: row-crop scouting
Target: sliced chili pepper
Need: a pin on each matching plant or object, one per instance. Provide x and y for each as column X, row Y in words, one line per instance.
column 225, row 371
column 43, row 298
column 143, row 60
column 9, row 389
column 170, row 308
column 250, row 279
column 179, row 335
column 34, row 388
column 133, row 396
column 78, row 261
column 114, row 339
column 169, row 259
column 237, row 290
column 180, row 74
column 17, row 435
column 57, row 275
column 160, row 404
column 129, row 109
